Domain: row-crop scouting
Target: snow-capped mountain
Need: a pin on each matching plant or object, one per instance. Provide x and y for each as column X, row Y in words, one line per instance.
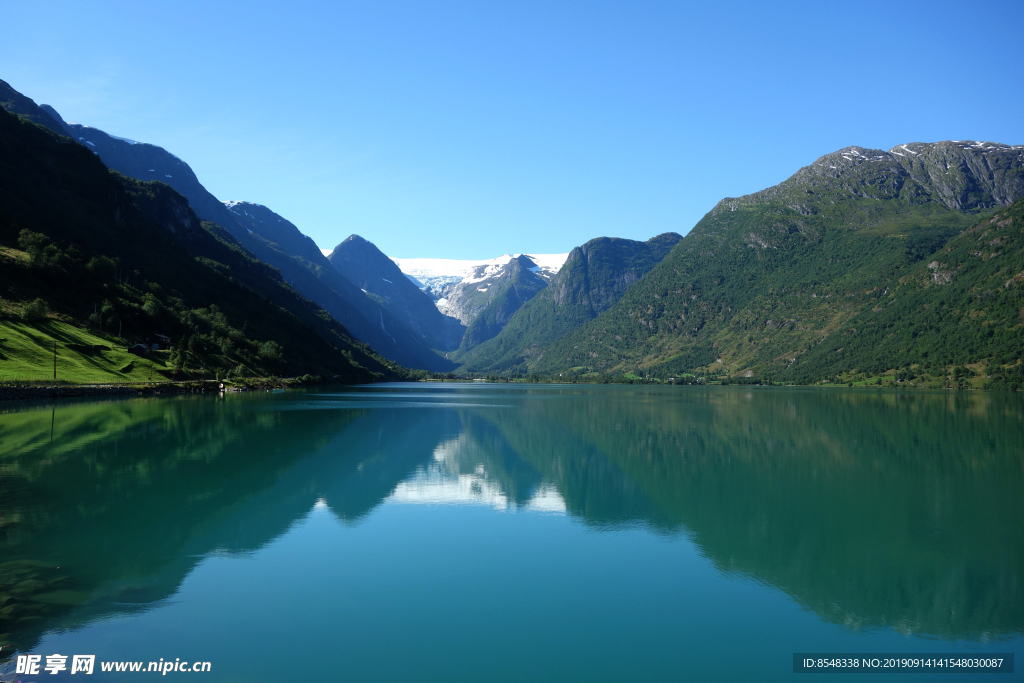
column 440, row 277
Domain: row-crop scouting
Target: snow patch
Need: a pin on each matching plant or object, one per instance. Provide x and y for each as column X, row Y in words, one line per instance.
column 130, row 142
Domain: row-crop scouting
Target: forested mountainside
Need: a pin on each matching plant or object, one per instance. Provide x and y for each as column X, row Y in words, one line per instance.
column 594, row 277
column 863, row 262
column 268, row 236
column 88, row 253
column 366, row 266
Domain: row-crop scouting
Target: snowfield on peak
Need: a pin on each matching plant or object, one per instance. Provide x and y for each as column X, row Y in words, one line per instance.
column 439, row 270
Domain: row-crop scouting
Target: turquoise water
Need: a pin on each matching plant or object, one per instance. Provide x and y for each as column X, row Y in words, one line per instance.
column 508, row 533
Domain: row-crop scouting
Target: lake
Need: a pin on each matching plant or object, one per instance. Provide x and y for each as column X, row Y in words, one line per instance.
column 493, row 532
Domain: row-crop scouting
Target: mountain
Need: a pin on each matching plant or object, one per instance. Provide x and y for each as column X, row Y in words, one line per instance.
column 961, row 305
column 493, row 299
column 437, row 277
column 483, row 295
column 14, row 102
column 766, row 284
column 278, row 242
column 283, row 246
column 94, row 249
column 594, row 277
column 368, row 268
column 468, row 298
column 276, row 230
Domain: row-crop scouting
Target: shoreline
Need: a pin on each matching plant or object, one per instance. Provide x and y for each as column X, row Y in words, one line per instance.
column 32, row 392
column 18, row 393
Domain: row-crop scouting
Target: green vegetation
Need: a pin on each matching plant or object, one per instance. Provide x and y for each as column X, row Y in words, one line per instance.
column 517, row 288
column 27, row 354
column 846, row 273
column 593, row 278
column 98, row 262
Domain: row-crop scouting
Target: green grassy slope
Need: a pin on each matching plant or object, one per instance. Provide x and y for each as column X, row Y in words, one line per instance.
column 594, row 276
column 27, row 354
column 763, row 280
column 127, row 258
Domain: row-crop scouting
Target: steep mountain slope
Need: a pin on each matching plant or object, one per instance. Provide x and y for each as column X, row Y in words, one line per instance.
column 494, row 298
column 278, row 242
column 468, row 297
column 277, row 230
column 959, row 306
column 120, row 255
column 438, row 277
column 14, row 102
column 308, row 273
column 594, row 277
column 763, row 279
column 368, row 268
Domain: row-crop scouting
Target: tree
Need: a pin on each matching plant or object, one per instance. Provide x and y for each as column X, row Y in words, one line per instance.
column 36, row 310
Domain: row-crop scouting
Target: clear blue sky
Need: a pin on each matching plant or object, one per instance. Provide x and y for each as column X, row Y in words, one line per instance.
column 467, row 130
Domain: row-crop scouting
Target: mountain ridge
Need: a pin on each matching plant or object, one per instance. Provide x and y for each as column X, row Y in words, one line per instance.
column 755, row 284
column 369, row 269
column 99, row 249
column 308, row 273
column 594, row 276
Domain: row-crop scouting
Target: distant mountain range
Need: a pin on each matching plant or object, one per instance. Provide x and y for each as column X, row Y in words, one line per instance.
column 863, row 263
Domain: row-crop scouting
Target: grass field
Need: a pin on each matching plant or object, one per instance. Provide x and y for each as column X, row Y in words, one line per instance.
column 27, row 354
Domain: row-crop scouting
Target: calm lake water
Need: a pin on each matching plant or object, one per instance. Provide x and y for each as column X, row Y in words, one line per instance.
column 415, row 532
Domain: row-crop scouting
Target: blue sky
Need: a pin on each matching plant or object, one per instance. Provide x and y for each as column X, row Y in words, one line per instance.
column 467, row 130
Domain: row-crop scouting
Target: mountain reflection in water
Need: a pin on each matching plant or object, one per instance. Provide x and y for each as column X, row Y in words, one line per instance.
column 871, row 509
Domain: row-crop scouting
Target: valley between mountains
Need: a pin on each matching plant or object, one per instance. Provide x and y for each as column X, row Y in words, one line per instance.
column 865, row 266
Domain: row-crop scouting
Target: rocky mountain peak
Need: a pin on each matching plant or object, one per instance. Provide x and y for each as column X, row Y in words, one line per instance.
column 368, row 268
column 963, row 175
